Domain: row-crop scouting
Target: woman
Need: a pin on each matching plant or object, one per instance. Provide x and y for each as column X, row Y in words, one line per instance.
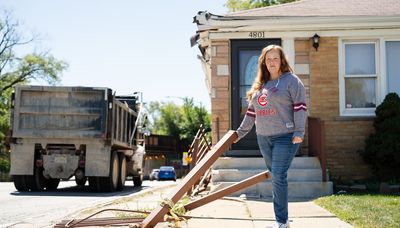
column 278, row 109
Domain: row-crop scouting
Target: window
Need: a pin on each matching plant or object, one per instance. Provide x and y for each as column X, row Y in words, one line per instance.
column 393, row 66
column 359, row 78
column 368, row 71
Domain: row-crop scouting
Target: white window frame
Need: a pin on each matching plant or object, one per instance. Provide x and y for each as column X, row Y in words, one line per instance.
column 342, row 76
column 384, row 72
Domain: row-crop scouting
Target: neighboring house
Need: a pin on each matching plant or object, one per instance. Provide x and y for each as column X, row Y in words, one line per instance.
column 356, row 64
column 162, row 150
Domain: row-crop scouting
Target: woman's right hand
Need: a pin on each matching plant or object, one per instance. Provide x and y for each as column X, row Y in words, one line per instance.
column 237, row 137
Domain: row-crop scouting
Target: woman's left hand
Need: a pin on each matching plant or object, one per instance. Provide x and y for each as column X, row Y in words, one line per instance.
column 297, row 140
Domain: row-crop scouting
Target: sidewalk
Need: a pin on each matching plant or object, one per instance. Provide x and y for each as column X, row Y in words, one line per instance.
column 229, row 212
column 237, row 213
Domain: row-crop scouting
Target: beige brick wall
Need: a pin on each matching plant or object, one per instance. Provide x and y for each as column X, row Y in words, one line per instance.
column 302, row 53
column 344, row 136
column 220, row 103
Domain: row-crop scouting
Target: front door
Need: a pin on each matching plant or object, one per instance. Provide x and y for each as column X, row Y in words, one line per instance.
column 244, row 67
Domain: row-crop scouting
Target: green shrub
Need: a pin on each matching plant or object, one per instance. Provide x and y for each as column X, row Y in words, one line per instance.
column 382, row 149
column 4, row 165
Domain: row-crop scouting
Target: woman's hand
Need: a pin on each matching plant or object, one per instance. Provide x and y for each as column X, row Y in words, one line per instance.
column 237, row 137
column 297, row 140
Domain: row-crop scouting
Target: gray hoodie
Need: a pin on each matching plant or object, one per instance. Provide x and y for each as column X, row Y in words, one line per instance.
column 278, row 108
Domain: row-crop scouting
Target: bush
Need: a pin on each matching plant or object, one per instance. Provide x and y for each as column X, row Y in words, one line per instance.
column 382, row 149
column 4, row 165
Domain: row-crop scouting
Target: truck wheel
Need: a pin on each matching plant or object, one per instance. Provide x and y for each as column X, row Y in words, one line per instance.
column 52, row 184
column 38, row 181
column 122, row 171
column 138, row 180
column 94, row 184
column 110, row 183
column 80, row 182
column 20, row 183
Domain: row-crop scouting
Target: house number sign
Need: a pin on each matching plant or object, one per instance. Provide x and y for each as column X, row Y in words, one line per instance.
column 257, row 34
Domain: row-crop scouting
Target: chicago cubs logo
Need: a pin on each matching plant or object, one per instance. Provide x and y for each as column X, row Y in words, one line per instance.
column 262, row 100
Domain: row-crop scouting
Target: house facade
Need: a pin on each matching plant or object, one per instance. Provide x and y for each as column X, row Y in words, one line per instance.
column 346, row 52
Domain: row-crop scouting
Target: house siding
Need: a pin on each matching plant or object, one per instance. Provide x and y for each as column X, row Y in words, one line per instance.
column 302, row 56
column 344, row 137
column 220, row 84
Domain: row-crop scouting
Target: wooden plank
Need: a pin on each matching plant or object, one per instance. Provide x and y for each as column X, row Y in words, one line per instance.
column 194, row 175
column 228, row 190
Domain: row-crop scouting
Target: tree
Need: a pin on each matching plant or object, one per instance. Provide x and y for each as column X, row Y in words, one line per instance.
column 237, row 5
column 192, row 117
column 16, row 68
column 179, row 121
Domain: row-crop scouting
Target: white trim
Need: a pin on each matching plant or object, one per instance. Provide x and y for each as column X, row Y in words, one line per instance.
column 356, row 33
column 288, row 48
column 342, row 76
column 383, row 79
column 298, row 22
column 385, row 82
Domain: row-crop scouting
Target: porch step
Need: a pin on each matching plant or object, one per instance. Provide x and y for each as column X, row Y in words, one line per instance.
column 296, row 190
column 258, row 163
column 221, row 175
column 304, row 177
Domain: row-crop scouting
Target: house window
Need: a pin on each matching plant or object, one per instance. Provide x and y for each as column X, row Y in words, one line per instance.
column 359, row 78
column 393, row 66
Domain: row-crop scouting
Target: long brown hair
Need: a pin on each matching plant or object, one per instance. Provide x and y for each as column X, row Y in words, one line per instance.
column 263, row 74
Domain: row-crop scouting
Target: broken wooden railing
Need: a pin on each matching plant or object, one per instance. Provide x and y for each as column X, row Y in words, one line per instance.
column 194, row 176
column 197, row 151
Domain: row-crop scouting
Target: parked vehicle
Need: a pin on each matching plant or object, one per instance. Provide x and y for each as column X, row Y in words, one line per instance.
column 86, row 132
column 167, row 173
column 154, row 174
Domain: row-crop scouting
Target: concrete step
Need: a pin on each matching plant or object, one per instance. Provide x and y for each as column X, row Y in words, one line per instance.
column 258, row 163
column 304, row 177
column 236, row 175
column 296, row 190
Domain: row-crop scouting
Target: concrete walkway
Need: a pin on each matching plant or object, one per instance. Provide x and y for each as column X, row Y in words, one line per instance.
column 232, row 212
column 235, row 213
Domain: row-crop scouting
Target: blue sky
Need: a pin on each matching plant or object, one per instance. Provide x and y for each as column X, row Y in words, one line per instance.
column 124, row 45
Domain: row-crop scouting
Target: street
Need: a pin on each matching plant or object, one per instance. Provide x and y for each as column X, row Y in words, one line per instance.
column 42, row 209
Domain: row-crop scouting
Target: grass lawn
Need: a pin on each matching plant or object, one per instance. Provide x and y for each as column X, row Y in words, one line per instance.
column 364, row 210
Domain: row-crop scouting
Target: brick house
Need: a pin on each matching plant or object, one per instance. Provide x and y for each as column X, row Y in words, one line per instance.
column 347, row 74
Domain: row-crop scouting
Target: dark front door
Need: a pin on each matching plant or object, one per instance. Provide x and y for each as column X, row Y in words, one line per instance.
column 244, row 67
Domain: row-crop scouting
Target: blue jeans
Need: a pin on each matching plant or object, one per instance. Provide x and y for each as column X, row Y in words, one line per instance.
column 278, row 152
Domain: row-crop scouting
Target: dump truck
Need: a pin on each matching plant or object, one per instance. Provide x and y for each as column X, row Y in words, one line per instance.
column 88, row 133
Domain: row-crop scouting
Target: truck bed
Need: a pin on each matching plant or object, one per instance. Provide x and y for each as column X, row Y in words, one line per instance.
column 60, row 112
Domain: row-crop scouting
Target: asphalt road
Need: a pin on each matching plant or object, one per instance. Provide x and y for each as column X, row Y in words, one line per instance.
column 42, row 209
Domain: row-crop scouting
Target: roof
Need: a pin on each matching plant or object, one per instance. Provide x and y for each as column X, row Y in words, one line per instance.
column 327, row 8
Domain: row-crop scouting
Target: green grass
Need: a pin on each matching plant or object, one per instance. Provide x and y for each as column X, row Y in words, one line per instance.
column 364, row 210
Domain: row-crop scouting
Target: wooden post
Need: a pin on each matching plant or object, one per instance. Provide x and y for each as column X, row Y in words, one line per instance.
column 195, row 152
column 194, row 175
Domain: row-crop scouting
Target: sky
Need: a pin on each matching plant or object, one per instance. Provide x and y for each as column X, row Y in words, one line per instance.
column 128, row 46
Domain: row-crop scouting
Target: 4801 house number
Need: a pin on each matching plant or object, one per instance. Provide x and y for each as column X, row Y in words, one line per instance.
column 256, row 34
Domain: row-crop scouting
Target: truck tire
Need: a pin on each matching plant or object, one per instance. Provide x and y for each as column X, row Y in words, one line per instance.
column 122, row 171
column 110, row 183
column 52, row 184
column 80, row 182
column 38, row 181
column 138, row 180
column 94, row 184
column 20, row 183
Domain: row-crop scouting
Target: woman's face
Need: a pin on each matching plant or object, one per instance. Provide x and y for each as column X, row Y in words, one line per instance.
column 273, row 62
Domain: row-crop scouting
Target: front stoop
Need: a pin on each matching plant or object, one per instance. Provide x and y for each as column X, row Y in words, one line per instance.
column 304, row 177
